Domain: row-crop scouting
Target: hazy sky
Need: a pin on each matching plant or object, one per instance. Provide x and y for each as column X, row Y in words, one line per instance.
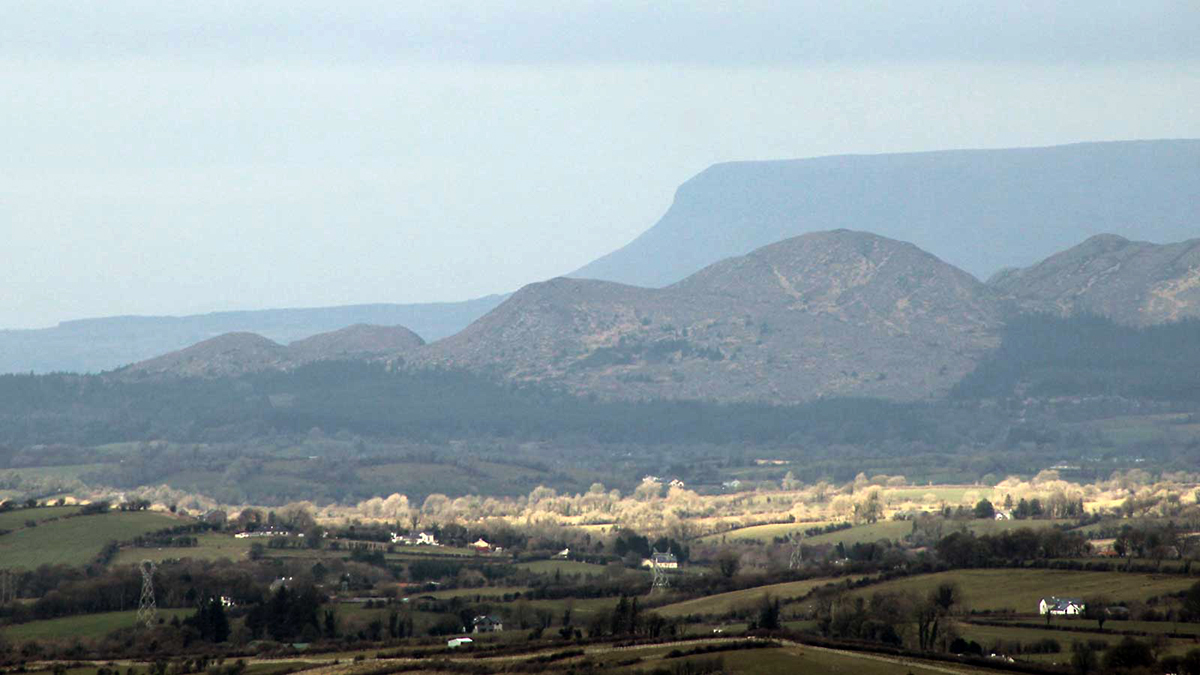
column 170, row 158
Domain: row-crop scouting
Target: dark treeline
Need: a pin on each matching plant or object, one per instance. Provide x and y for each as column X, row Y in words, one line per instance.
column 1045, row 356
column 432, row 405
column 365, row 415
column 964, row 549
column 1048, row 356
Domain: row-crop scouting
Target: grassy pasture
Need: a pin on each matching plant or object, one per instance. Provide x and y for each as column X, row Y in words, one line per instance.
column 562, row 566
column 83, row 626
column 212, row 546
column 75, row 541
column 988, row 635
column 763, row 533
column 13, row 520
column 1021, row 589
column 891, row 530
column 796, row 659
column 723, row 603
column 986, row 526
column 471, row 593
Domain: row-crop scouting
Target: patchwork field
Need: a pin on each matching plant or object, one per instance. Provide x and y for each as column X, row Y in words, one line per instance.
column 562, row 567
column 83, row 626
column 1021, row 589
column 75, row 541
column 12, row 520
column 724, row 603
column 211, row 546
column 763, row 533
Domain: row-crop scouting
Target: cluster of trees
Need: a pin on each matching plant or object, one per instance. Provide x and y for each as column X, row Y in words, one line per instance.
column 630, row 542
column 290, row 614
column 964, row 549
column 891, row 618
column 1150, row 540
column 210, row 621
column 625, row 619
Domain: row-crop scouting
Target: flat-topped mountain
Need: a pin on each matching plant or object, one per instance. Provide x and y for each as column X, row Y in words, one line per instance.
column 830, row 313
column 234, row 354
column 980, row 210
column 1131, row 282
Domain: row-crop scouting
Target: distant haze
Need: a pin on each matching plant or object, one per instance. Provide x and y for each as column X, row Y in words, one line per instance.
column 980, row 210
column 165, row 158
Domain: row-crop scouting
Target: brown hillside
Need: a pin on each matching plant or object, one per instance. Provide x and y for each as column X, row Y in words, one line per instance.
column 355, row 341
column 829, row 313
column 225, row 355
column 1132, row 282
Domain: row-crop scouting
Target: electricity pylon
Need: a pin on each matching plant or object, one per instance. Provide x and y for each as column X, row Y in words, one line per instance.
column 147, row 608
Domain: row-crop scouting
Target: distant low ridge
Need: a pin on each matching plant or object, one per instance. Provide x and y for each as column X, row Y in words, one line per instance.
column 236, row 354
column 93, row 345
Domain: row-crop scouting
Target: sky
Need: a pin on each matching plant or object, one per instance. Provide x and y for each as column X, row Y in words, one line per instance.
column 176, row 158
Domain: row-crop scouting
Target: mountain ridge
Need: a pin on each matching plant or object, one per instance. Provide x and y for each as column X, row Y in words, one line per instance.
column 977, row 209
column 831, row 313
column 1131, row 282
column 237, row 353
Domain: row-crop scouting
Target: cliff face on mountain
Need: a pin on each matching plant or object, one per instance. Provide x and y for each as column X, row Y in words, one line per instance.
column 1131, row 282
column 979, row 210
column 827, row 314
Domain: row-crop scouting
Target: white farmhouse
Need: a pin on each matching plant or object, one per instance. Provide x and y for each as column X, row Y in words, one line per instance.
column 1061, row 606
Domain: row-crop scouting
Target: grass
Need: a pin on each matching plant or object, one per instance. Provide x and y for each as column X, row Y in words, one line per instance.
column 724, row 603
column 799, row 659
column 1021, row 589
column 580, row 607
column 562, row 566
column 76, row 541
column 82, row 626
column 12, row 520
column 470, row 593
column 891, row 530
column 763, row 533
column 260, row 668
column 987, row 526
column 211, row 546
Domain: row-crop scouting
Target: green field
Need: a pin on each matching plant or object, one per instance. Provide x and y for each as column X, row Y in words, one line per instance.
column 763, row 533
column 794, row 659
column 988, row 526
column 83, row 626
column 1021, row 589
column 950, row 494
column 563, row 567
column 13, row 520
column 724, row 603
column 892, row 530
column 75, row 541
column 211, row 546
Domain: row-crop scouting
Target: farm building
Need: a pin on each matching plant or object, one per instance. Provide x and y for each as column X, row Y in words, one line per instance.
column 666, row 561
column 487, row 624
column 1061, row 606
